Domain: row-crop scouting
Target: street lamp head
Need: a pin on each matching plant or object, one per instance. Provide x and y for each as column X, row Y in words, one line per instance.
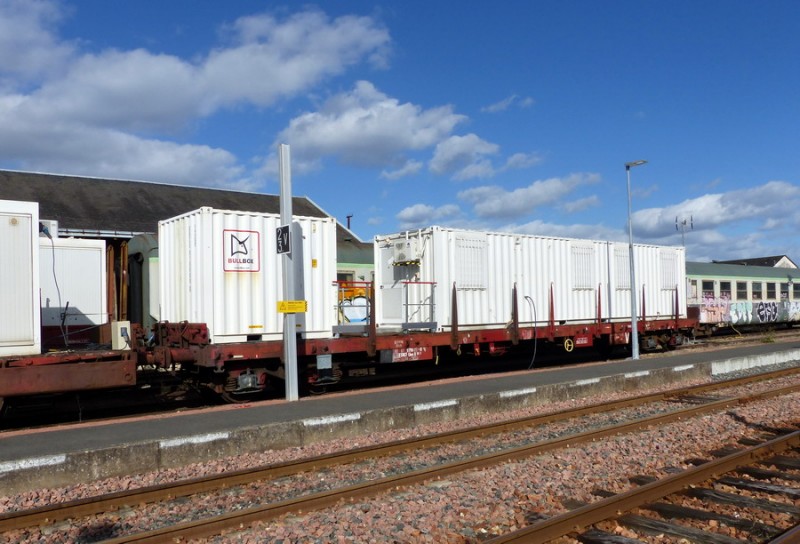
column 628, row 165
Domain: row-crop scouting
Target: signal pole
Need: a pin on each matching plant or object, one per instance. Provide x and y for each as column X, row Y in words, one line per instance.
column 289, row 271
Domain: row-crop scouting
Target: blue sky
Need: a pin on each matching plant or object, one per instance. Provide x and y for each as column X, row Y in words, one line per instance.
column 514, row 116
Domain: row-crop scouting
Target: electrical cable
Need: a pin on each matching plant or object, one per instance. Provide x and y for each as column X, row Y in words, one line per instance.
column 535, row 339
column 44, row 230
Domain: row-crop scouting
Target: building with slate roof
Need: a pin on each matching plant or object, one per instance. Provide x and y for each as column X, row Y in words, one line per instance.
column 111, row 208
column 118, row 210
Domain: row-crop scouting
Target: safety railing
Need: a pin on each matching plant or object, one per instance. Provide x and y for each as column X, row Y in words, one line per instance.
column 419, row 305
column 353, row 306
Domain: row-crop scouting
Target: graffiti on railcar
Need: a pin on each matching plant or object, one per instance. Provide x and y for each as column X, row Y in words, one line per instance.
column 741, row 313
column 794, row 311
column 722, row 310
column 715, row 309
column 766, row 312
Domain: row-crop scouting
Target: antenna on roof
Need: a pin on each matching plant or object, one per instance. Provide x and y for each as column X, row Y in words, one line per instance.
column 682, row 226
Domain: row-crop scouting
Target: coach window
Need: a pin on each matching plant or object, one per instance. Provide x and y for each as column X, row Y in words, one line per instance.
column 741, row 290
column 770, row 290
column 708, row 289
column 784, row 291
column 725, row 290
column 757, row 290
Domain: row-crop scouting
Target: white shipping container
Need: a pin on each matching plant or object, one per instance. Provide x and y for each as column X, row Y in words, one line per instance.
column 20, row 330
column 72, row 274
column 660, row 278
column 222, row 268
column 415, row 273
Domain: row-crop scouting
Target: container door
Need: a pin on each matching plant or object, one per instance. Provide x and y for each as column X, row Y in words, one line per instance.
column 19, row 286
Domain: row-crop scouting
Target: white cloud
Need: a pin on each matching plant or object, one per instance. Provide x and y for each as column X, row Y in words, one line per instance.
column 522, row 160
column 365, row 127
column 87, row 106
column 108, row 113
column 29, row 50
column 774, row 199
column 408, row 169
column 464, row 157
column 422, row 215
column 526, row 102
column 578, row 231
column 742, row 223
column 113, row 154
column 479, row 168
column 494, row 201
column 271, row 58
column 131, row 91
column 573, row 206
column 503, row 105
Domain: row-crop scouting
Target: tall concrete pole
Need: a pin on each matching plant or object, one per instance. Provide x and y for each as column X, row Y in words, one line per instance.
column 289, row 265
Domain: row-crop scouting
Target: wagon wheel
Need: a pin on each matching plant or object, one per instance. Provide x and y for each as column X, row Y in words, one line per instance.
column 317, row 390
column 230, row 398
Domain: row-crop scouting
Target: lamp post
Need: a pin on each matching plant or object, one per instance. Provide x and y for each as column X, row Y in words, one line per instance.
column 634, row 317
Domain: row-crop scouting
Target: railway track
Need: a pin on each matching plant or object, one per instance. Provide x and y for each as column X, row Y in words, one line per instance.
column 699, row 399
column 742, row 470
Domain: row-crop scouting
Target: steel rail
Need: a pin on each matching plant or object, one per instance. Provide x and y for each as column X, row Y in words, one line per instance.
column 112, row 501
column 789, row 537
column 316, row 501
column 612, row 507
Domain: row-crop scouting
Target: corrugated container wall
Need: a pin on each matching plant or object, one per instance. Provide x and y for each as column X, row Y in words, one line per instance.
column 221, row 267
column 73, row 271
column 485, row 266
column 660, row 275
column 20, row 325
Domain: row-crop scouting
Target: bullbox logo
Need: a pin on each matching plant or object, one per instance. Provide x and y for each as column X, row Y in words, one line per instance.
column 242, row 250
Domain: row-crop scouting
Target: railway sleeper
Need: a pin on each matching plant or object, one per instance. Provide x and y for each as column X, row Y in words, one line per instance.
column 744, row 502
column 751, row 485
column 763, row 474
column 669, row 511
column 757, row 528
column 783, row 462
column 596, row 536
column 656, row 527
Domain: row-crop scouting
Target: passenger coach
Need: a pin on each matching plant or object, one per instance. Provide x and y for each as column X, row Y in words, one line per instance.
column 724, row 295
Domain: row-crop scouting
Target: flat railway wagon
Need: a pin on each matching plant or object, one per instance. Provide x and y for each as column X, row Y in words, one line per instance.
column 724, row 297
column 438, row 294
column 574, row 292
column 53, row 293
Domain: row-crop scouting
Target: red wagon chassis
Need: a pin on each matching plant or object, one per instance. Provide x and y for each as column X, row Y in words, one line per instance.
column 187, row 344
